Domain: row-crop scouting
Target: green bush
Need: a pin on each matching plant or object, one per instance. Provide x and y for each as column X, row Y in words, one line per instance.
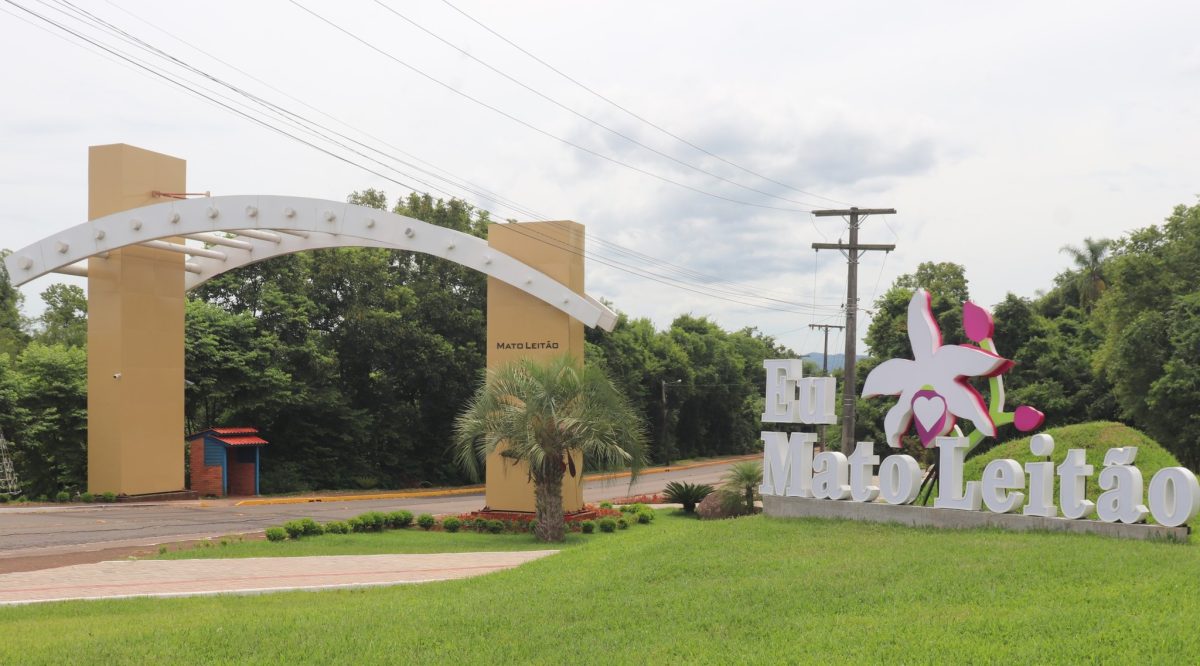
column 687, row 494
column 85, row 497
column 495, row 526
column 109, row 497
column 531, row 527
column 294, row 528
column 622, row 523
column 356, row 524
column 311, row 528
column 373, row 521
column 400, row 519
column 62, row 496
column 608, row 525
column 3, row 498
column 606, row 505
column 587, row 526
column 276, row 534
column 426, row 521
column 644, row 517
column 451, row 524
column 337, row 527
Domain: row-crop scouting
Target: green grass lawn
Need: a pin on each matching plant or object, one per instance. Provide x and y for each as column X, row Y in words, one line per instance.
column 682, row 591
column 411, row 540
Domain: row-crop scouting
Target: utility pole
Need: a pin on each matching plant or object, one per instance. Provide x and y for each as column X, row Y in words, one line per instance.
column 852, row 251
column 825, row 354
column 824, row 367
column 666, row 447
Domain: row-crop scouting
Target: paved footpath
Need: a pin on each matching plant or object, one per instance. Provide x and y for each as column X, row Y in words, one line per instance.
column 183, row 578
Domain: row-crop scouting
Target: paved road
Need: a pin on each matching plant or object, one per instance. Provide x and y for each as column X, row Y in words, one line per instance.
column 35, row 532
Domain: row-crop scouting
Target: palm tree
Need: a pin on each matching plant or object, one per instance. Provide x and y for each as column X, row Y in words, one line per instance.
column 539, row 412
column 1089, row 261
column 743, row 479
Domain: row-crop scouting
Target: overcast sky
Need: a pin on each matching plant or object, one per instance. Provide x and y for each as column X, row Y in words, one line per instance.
column 999, row 131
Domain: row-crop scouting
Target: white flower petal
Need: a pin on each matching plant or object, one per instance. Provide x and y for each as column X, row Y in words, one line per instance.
column 923, row 332
column 889, row 378
column 898, row 419
column 962, row 361
column 965, row 402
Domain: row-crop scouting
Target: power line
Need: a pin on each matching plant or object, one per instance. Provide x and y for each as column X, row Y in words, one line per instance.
column 213, row 99
column 583, row 116
column 533, row 127
column 631, row 113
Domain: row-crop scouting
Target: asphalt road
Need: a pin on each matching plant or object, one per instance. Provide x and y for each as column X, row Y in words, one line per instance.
column 45, row 531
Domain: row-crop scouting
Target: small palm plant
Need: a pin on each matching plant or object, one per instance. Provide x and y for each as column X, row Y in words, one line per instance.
column 743, row 479
column 687, row 494
column 539, row 412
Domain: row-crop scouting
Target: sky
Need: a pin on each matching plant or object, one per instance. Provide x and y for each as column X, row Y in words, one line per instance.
column 998, row 131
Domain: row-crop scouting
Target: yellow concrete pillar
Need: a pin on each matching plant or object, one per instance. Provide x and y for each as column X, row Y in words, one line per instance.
column 516, row 320
column 135, row 335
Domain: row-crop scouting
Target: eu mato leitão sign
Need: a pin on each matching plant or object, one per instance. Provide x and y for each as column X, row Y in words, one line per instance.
column 932, row 396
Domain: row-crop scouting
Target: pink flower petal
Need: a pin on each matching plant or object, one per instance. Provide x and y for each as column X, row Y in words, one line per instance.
column 977, row 322
column 1027, row 418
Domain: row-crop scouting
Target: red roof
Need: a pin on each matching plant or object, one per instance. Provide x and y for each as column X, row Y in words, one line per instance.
column 236, row 431
column 241, row 441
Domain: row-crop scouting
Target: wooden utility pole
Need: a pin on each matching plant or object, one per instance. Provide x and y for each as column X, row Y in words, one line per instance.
column 824, row 369
column 852, row 251
column 825, row 354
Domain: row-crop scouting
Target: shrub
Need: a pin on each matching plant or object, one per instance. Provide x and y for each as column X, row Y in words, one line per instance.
column 337, row 527
column 587, row 526
column 274, row 534
column 3, row 498
column 294, row 528
column 373, row 521
column 400, row 519
column 426, row 521
column 311, row 528
column 531, row 527
column 109, row 497
column 606, row 505
column 608, row 525
column 644, row 517
column 687, row 494
column 451, row 524
column 495, row 526
column 744, row 478
column 85, row 497
column 62, row 496
column 355, row 524
column 480, row 524
column 622, row 523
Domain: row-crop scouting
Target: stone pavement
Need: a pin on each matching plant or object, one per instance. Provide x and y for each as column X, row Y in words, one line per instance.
column 181, row 578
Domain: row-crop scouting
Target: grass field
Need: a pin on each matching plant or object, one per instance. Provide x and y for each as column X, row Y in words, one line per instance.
column 681, row 591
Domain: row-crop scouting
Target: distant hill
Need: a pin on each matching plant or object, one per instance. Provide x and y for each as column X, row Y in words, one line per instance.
column 836, row 361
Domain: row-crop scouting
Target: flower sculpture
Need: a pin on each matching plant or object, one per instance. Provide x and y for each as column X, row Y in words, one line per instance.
column 933, row 387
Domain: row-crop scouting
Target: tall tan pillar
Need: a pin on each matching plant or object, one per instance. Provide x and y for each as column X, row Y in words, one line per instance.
column 135, row 335
column 519, row 325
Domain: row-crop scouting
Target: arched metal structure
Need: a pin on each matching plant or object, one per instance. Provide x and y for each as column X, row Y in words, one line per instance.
column 233, row 231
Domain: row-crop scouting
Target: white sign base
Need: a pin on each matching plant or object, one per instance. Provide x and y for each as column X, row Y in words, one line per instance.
column 924, row 516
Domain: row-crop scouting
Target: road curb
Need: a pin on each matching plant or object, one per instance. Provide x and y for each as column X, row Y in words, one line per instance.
column 470, row 490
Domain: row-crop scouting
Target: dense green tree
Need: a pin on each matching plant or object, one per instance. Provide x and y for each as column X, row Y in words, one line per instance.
column 50, row 444
column 1089, row 269
column 64, row 321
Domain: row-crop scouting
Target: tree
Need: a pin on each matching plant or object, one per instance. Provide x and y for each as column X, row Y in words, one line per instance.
column 13, row 337
column 64, row 320
column 1089, row 265
column 539, row 412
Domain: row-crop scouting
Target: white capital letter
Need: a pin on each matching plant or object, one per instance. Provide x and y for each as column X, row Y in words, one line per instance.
column 787, row 463
column 952, row 451
column 781, row 405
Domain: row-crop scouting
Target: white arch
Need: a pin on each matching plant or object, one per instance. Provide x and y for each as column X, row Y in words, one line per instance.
column 278, row 225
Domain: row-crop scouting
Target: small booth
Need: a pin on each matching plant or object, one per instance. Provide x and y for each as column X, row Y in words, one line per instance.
column 224, row 461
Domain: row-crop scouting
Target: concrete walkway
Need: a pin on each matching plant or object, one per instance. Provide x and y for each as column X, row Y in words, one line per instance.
column 184, row 578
